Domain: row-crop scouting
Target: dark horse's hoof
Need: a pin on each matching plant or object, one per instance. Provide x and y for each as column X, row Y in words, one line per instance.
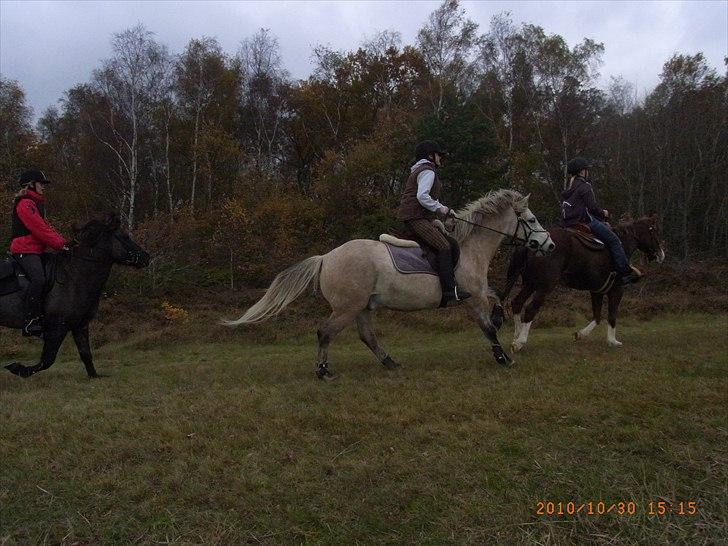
column 390, row 364
column 20, row 370
column 502, row 357
column 324, row 373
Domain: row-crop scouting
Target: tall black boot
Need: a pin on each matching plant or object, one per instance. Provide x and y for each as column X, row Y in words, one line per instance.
column 446, row 271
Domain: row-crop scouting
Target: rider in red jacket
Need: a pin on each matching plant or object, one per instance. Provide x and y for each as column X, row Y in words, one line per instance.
column 31, row 236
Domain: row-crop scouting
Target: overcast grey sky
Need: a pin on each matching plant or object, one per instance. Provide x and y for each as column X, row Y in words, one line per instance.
column 51, row 46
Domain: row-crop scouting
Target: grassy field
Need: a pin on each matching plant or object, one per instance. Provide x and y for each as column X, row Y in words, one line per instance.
column 233, row 442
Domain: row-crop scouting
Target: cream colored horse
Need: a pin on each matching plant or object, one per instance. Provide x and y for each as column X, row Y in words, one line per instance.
column 359, row 277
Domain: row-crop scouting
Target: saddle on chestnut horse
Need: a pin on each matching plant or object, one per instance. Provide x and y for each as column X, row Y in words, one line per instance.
column 584, row 235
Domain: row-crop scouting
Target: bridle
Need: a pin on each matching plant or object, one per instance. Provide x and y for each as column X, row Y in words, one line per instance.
column 514, row 239
column 92, row 256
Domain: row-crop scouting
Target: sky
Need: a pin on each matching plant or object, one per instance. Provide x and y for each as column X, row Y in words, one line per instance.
column 50, row 46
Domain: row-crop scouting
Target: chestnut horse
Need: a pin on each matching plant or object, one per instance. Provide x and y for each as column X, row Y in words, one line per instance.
column 578, row 267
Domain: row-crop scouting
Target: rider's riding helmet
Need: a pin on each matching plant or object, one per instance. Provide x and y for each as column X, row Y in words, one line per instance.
column 32, row 175
column 578, row 164
column 426, row 148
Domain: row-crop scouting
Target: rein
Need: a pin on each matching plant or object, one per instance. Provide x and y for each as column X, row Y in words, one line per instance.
column 514, row 239
column 104, row 258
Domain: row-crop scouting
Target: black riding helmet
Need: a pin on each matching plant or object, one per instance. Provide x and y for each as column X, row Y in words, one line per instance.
column 31, row 176
column 426, row 148
column 578, row 164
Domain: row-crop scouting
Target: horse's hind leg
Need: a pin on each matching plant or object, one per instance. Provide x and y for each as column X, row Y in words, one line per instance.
column 597, row 300
column 614, row 297
column 366, row 334
column 333, row 325
column 528, row 315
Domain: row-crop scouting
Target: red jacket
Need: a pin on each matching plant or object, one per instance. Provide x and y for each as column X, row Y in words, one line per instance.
column 42, row 236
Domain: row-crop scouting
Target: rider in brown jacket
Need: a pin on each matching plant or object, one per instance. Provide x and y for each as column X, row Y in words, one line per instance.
column 418, row 208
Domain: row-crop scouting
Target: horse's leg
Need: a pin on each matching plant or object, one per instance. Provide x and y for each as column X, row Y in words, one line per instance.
column 614, row 297
column 597, row 300
column 333, row 325
column 528, row 315
column 366, row 334
column 479, row 311
column 52, row 340
column 80, row 336
column 517, row 306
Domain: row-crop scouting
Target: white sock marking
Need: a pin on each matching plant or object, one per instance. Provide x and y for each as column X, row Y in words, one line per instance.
column 612, row 336
column 587, row 329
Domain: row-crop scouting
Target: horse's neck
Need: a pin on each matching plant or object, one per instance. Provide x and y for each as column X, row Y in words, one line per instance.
column 481, row 244
column 91, row 276
column 628, row 240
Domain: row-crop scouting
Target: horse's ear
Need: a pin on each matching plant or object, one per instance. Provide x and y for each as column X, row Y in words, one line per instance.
column 523, row 202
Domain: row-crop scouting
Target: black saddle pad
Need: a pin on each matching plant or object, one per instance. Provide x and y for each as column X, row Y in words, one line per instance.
column 12, row 276
column 8, row 277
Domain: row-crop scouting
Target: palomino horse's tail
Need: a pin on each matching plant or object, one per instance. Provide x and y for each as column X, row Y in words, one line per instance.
column 285, row 288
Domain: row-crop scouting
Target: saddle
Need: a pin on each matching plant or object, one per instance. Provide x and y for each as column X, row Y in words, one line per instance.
column 411, row 255
column 12, row 276
column 583, row 234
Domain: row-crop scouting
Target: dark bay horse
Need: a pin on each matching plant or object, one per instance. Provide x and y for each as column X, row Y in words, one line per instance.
column 578, row 267
column 71, row 303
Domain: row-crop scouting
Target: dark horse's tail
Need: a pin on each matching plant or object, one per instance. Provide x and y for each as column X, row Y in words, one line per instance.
column 515, row 268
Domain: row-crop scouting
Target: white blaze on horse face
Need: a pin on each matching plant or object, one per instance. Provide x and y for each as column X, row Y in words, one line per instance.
column 612, row 336
column 537, row 233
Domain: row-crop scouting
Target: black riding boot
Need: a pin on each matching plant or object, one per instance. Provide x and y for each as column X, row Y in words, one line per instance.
column 446, row 271
column 33, row 267
column 631, row 276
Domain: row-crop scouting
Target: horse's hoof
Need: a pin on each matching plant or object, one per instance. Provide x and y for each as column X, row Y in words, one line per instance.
column 515, row 347
column 502, row 357
column 390, row 364
column 614, row 343
column 19, row 370
column 326, row 374
column 576, row 336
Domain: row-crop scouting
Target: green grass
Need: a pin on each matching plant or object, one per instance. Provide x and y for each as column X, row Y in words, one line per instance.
column 229, row 443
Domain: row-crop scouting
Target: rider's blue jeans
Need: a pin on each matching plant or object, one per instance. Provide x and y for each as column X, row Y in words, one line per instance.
column 613, row 243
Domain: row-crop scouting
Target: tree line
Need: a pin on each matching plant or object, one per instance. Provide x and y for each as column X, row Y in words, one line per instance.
column 224, row 164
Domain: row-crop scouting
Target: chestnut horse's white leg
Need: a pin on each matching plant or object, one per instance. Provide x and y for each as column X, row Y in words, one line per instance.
column 614, row 297
column 597, row 300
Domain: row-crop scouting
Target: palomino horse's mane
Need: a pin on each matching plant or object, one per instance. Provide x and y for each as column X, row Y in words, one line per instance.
column 492, row 203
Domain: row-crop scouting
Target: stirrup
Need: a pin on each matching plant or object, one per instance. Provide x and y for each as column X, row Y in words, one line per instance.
column 454, row 296
column 34, row 327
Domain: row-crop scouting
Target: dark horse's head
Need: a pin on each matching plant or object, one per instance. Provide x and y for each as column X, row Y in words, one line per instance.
column 645, row 236
column 105, row 240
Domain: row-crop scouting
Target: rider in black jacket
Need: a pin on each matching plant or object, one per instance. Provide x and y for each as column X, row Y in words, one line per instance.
column 579, row 206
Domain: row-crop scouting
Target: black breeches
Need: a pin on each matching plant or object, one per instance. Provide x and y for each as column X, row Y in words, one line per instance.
column 32, row 264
